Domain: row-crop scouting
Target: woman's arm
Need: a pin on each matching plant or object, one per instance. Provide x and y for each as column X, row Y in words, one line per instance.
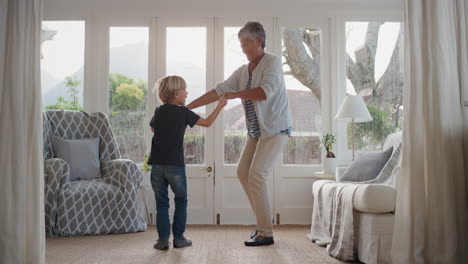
column 205, row 99
column 255, row 94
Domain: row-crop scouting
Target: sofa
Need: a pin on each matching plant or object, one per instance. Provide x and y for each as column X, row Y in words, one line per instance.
column 102, row 205
column 373, row 205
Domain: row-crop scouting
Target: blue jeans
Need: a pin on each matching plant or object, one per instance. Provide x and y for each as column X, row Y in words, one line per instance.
column 161, row 177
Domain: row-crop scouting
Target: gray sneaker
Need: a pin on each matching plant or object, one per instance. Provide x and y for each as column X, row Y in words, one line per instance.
column 182, row 242
column 162, row 244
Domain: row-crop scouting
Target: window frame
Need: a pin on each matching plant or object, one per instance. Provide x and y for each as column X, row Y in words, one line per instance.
column 65, row 18
column 325, row 24
column 345, row 154
column 103, row 68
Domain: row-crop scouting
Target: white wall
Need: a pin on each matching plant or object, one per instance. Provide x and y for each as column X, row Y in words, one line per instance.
column 217, row 7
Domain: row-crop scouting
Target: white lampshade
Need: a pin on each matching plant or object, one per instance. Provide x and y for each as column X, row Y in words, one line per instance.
column 353, row 107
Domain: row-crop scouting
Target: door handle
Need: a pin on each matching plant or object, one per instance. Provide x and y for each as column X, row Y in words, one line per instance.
column 208, row 169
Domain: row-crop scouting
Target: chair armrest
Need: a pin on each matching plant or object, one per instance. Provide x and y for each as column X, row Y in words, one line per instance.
column 56, row 175
column 339, row 171
column 374, row 198
column 122, row 173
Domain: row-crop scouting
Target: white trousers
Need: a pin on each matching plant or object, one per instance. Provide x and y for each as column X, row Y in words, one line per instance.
column 257, row 160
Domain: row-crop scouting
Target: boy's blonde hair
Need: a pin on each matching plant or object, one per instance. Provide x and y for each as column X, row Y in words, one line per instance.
column 168, row 86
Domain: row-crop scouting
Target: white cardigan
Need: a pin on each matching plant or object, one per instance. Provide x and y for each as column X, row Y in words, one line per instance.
column 273, row 113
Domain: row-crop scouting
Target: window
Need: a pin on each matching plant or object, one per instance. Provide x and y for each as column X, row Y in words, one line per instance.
column 62, row 63
column 189, row 62
column 374, row 70
column 128, row 89
column 301, row 66
column 235, row 130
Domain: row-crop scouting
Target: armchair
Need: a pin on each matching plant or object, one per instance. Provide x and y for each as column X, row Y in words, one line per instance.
column 104, row 205
column 368, row 229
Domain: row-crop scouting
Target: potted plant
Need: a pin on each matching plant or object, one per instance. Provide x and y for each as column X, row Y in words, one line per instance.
column 329, row 163
column 146, row 166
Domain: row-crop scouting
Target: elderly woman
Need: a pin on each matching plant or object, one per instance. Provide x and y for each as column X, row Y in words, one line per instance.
column 260, row 85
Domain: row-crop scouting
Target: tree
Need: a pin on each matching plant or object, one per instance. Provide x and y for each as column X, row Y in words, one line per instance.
column 72, row 83
column 302, row 55
column 117, row 79
column 370, row 135
column 127, row 97
column 143, row 85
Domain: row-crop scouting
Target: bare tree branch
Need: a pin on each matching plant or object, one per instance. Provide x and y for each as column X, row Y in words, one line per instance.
column 390, row 85
column 303, row 67
column 365, row 59
column 353, row 72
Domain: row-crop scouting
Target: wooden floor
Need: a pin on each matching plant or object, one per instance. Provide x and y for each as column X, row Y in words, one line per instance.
column 211, row 244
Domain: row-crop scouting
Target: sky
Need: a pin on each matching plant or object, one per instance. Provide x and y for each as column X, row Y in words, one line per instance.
column 63, row 55
column 186, row 50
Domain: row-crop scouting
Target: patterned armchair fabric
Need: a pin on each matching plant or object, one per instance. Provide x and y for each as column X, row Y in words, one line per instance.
column 88, row 207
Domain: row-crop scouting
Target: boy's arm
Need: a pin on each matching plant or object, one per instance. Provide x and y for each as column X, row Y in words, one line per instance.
column 207, row 122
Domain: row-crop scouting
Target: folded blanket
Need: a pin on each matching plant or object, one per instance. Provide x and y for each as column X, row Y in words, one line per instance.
column 332, row 220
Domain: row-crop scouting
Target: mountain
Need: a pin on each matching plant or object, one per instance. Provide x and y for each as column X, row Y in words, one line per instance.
column 132, row 61
column 57, row 88
column 129, row 59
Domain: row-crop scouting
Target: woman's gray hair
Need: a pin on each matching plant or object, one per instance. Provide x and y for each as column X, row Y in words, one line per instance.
column 254, row 29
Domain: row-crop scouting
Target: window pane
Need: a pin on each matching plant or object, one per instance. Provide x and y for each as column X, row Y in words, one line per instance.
column 62, row 61
column 189, row 62
column 128, row 89
column 235, row 131
column 301, row 67
column 374, row 70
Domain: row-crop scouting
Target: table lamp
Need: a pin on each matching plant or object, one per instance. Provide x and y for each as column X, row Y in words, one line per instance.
column 355, row 110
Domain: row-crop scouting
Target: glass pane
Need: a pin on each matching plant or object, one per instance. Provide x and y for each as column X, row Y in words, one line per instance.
column 62, row 62
column 235, row 131
column 374, row 70
column 301, row 67
column 189, row 61
column 128, row 89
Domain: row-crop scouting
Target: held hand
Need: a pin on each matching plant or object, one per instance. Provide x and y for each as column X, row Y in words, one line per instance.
column 230, row 95
column 222, row 101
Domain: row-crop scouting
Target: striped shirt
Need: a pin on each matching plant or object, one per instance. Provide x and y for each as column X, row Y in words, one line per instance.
column 254, row 127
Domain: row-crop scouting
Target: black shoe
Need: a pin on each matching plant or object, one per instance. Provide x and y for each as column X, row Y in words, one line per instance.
column 162, row 245
column 253, row 233
column 182, row 242
column 265, row 241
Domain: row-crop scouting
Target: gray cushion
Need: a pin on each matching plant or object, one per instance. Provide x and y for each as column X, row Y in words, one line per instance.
column 82, row 156
column 367, row 167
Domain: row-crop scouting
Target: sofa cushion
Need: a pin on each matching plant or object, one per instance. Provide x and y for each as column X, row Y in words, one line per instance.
column 370, row 198
column 82, row 155
column 374, row 198
column 367, row 167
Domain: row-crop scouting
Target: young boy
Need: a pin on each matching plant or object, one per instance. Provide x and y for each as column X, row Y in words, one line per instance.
column 167, row 156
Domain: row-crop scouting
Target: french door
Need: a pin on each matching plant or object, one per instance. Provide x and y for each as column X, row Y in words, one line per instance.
column 231, row 203
column 185, row 49
column 207, row 51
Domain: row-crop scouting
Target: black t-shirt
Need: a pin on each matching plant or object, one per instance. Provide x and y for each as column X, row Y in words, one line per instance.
column 169, row 123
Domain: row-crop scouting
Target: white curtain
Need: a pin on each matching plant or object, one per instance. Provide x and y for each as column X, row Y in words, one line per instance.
column 431, row 215
column 22, row 232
